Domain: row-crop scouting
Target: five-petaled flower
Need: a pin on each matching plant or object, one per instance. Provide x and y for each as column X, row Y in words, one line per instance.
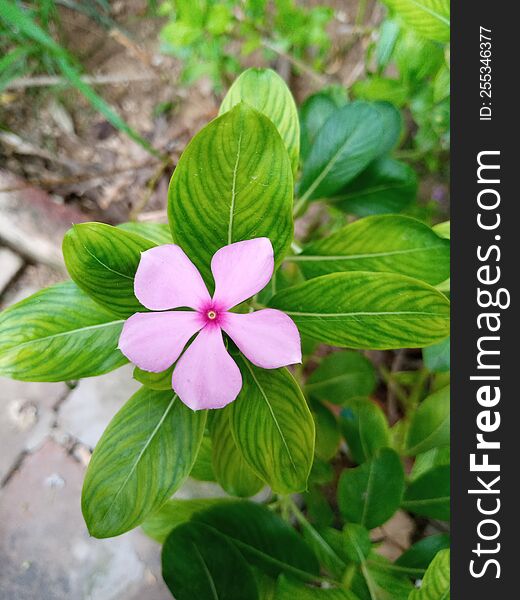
column 206, row 376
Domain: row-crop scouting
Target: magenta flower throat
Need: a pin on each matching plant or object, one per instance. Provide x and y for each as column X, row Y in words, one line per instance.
column 205, row 375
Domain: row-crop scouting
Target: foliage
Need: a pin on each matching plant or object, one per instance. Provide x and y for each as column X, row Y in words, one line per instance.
column 201, row 32
column 368, row 280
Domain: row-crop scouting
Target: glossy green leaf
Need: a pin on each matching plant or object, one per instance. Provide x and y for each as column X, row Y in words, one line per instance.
column 155, row 381
column 371, row 494
column 429, row 494
column 156, row 232
column 420, row 555
column 231, row 470
column 267, row 92
column 340, row 376
column 389, row 243
column 392, row 123
column 428, row 460
column 199, row 562
column 58, row 334
column 437, row 357
column 429, row 18
column 327, row 431
column 273, row 428
column 442, row 229
column 365, row 428
column 292, row 589
column 379, row 311
column 174, row 512
column 430, row 425
column 264, row 539
column 385, row 186
column 102, row 260
column 346, row 144
column 202, row 469
column 144, row 455
column 233, row 182
column 315, row 111
column 436, row 582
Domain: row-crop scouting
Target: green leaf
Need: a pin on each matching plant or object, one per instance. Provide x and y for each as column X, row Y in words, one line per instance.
column 389, row 243
column 429, row 494
column 430, row 425
column 173, row 512
column 385, row 186
column 442, row 229
column 346, row 144
column 429, row 18
column 378, row 311
column 233, row 182
column 356, row 542
column 426, row 461
column 199, row 562
column 155, row 381
column 202, row 469
column 365, row 428
column 102, row 261
column 392, row 123
column 327, row 431
column 436, row 582
column 314, row 112
column 420, row 555
column 58, row 334
column 291, row 589
column 267, row 92
column 341, row 376
column 371, row 494
column 273, row 428
column 264, row 539
column 144, row 455
column 395, row 91
column 437, row 357
column 231, row 470
column 377, row 580
column 159, row 233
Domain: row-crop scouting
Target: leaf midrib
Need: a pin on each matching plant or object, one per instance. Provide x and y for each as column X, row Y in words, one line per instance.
column 233, row 192
column 139, row 457
column 264, row 396
column 207, row 571
column 432, row 434
column 431, row 12
column 331, row 257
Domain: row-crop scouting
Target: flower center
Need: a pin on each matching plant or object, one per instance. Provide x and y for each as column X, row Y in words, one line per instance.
column 211, row 314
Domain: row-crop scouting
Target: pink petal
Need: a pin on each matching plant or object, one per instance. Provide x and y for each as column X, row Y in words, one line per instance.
column 268, row 338
column 241, row 270
column 206, row 376
column 154, row 341
column 166, row 278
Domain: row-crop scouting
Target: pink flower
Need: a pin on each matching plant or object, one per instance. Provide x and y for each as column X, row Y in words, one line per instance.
column 206, row 376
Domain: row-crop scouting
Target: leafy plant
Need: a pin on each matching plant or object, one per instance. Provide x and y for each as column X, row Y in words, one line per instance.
column 200, row 33
column 236, row 414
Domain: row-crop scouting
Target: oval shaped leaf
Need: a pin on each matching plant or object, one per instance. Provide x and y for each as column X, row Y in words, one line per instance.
column 429, row 494
column 365, row 428
column 385, row 186
column 267, row 92
column 389, row 244
column 231, row 470
column 199, row 562
column 264, row 539
column 430, row 425
column 144, row 455
column 233, row 182
column 378, row 311
column 420, row 555
column 371, row 494
column 59, row 334
column 429, row 18
column 436, row 582
column 273, row 428
column 340, row 376
column 346, row 144
column 102, row 260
